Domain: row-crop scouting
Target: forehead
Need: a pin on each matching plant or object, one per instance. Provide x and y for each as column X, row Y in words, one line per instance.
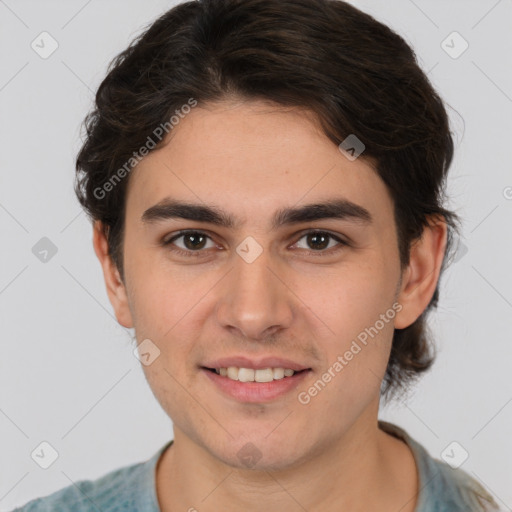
column 252, row 158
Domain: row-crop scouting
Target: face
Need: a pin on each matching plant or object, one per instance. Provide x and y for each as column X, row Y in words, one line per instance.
column 299, row 293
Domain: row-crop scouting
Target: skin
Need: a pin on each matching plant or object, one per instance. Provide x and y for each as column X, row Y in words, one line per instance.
column 251, row 159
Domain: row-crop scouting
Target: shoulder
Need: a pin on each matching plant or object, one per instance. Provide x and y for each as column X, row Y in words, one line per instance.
column 117, row 490
column 458, row 489
column 442, row 487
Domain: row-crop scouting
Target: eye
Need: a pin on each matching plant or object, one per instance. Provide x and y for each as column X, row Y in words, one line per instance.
column 320, row 241
column 194, row 242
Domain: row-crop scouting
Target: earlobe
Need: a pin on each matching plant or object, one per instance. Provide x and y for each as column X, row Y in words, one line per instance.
column 116, row 290
column 422, row 274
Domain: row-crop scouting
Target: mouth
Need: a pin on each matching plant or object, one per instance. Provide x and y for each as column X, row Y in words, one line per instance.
column 255, row 375
column 254, row 385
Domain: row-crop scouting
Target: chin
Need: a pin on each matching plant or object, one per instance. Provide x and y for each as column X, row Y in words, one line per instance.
column 258, row 455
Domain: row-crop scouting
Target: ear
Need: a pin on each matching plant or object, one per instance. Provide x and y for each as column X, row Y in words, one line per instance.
column 420, row 278
column 115, row 287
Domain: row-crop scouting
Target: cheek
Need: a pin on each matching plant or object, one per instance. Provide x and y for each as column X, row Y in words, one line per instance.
column 351, row 299
column 161, row 297
column 163, row 381
column 169, row 308
column 356, row 355
column 357, row 307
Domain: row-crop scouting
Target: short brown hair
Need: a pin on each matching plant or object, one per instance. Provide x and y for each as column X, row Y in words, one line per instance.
column 354, row 72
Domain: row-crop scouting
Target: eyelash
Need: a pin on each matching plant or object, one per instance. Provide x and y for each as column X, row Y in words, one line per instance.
column 199, row 253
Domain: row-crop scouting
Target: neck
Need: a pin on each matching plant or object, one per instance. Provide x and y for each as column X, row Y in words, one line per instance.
column 366, row 469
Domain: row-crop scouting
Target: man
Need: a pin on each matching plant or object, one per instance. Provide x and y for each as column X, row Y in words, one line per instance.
column 265, row 179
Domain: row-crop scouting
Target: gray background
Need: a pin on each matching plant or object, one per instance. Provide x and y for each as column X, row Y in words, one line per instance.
column 67, row 373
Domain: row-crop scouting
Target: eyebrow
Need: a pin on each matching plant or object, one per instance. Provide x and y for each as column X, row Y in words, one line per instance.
column 338, row 208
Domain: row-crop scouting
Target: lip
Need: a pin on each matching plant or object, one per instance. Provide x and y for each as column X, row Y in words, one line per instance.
column 255, row 392
column 255, row 364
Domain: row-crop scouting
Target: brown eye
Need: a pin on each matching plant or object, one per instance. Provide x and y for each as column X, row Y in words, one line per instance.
column 194, row 241
column 320, row 241
column 192, row 245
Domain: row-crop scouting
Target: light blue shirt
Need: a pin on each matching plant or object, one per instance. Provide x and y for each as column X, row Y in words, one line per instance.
column 133, row 488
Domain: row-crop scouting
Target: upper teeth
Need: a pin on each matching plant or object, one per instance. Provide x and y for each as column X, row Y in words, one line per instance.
column 250, row 375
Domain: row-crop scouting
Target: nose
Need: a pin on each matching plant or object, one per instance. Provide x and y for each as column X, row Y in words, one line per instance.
column 255, row 300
